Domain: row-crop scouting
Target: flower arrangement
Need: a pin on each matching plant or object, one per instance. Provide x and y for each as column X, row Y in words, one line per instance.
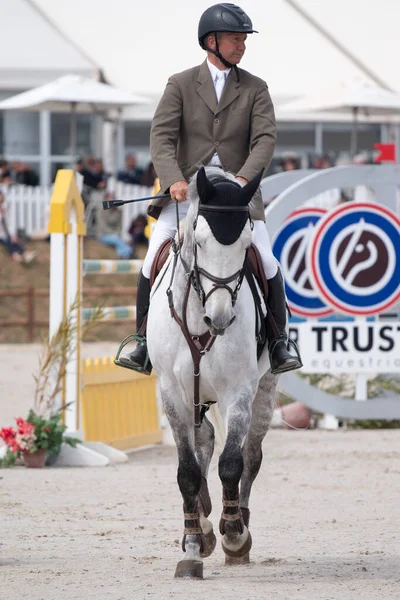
column 43, row 431
column 34, row 435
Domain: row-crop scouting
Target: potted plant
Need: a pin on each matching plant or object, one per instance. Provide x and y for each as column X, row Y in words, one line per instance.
column 38, row 439
column 34, row 440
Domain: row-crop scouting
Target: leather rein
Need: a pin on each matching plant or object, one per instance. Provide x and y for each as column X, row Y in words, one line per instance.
column 199, row 345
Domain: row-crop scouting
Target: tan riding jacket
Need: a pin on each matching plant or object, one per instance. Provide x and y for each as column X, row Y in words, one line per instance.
column 189, row 127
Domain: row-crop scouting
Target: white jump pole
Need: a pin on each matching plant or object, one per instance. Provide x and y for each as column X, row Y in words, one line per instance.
column 67, row 228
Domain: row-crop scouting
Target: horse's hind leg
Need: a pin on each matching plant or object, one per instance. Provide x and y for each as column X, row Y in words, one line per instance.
column 204, row 444
column 262, row 412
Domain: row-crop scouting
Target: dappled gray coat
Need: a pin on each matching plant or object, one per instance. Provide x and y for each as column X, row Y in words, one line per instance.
column 189, row 127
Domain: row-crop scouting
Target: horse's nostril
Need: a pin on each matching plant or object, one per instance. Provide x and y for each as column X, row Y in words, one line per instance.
column 207, row 321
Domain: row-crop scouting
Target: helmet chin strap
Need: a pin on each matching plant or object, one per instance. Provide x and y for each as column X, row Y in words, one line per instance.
column 218, row 54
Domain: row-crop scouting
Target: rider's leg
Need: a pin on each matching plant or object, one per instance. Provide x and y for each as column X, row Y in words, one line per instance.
column 164, row 229
column 282, row 356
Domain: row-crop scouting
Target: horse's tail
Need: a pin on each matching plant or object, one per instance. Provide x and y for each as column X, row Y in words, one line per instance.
column 219, row 427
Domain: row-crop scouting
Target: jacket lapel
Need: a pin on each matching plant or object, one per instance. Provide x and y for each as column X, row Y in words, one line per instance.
column 230, row 92
column 206, row 87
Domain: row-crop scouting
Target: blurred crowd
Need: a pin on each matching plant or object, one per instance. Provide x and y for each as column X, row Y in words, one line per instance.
column 95, row 176
column 17, row 172
column 289, row 161
column 107, row 226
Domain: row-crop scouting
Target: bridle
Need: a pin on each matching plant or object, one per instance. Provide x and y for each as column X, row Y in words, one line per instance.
column 219, row 282
column 199, row 345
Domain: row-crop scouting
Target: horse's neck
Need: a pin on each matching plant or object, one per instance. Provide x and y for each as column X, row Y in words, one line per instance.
column 195, row 311
column 187, row 245
column 185, row 264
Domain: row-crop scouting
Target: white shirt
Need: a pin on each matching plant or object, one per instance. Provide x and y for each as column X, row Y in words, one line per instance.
column 219, row 79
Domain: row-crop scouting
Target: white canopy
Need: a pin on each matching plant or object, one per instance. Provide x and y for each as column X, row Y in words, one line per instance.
column 72, row 93
column 83, row 93
column 354, row 98
column 345, row 98
column 34, row 50
column 140, row 44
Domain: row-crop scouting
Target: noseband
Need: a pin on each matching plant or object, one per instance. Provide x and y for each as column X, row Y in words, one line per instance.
column 218, row 282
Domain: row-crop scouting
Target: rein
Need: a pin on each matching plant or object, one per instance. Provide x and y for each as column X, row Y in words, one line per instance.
column 199, row 345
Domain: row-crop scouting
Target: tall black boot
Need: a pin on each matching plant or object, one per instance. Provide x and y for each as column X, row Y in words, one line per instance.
column 138, row 359
column 283, row 352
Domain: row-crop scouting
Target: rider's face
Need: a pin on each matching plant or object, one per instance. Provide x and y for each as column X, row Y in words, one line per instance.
column 232, row 46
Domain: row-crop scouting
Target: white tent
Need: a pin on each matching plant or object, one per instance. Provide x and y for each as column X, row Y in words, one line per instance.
column 75, row 94
column 34, row 51
column 355, row 98
column 140, row 44
column 86, row 94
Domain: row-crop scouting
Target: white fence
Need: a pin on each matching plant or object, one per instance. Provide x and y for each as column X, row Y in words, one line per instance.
column 28, row 207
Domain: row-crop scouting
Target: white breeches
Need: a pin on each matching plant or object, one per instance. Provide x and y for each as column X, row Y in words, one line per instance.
column 165, row 228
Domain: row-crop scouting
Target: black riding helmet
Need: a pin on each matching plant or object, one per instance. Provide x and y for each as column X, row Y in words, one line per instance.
column 223, row 17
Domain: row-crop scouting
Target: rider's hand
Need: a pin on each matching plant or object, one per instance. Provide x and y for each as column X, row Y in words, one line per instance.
column 179, row 191
column 241, row 180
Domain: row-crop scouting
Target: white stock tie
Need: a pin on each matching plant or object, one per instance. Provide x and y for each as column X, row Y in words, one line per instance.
column 219, row 83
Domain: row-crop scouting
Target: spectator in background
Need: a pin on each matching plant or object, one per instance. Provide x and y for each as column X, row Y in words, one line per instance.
column 93, row 174
column 136, row 231
column 321, row 161
column 325, row 162
column 23, row 174
column 100, row 174
column 109, row 230
column 149, row 176
column 131, row 174
column 289, row 163
column 12, row 242
column 5, row 173
column 79, row 165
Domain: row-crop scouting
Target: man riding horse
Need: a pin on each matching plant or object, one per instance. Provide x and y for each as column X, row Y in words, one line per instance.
column 215, row 114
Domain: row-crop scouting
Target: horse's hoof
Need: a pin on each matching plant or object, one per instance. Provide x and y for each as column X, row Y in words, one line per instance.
column 240, row 551
column 237, row 560
column 210, row 543
column 189, row 569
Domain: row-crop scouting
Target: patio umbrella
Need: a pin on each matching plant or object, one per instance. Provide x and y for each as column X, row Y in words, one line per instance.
column 354, row 98
column 74, row 94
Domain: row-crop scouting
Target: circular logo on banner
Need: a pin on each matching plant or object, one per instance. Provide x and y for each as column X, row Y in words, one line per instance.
column 290, row 247
column 354, row 258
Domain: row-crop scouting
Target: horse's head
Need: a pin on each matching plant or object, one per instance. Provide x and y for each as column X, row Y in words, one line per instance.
column 222, row 235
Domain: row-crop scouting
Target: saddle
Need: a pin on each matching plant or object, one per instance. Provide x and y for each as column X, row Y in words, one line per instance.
column 254, row 271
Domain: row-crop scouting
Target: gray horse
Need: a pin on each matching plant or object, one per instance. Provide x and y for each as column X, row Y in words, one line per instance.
column 202, row 342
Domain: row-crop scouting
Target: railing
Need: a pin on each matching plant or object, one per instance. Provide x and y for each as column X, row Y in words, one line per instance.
column 28, row 207
column 31, row 323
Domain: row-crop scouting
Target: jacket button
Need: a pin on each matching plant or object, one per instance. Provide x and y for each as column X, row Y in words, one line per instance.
column 216, row 144
column 216, row 120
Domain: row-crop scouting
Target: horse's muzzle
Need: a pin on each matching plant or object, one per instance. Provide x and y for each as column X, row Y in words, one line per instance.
column 217, row 328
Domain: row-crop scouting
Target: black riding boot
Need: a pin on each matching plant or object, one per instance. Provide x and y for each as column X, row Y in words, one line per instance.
column 138, row 357
column 283, row 352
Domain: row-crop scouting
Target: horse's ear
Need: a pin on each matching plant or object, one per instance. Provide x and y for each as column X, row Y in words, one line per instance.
column 204, row 187
column 248, row 191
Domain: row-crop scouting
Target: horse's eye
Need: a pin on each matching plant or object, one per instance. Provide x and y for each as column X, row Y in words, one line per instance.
column 198, row 244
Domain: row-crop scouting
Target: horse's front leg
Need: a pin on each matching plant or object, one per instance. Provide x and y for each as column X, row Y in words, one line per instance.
column 189, row 481
column 204, row 443
column 236, row 541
